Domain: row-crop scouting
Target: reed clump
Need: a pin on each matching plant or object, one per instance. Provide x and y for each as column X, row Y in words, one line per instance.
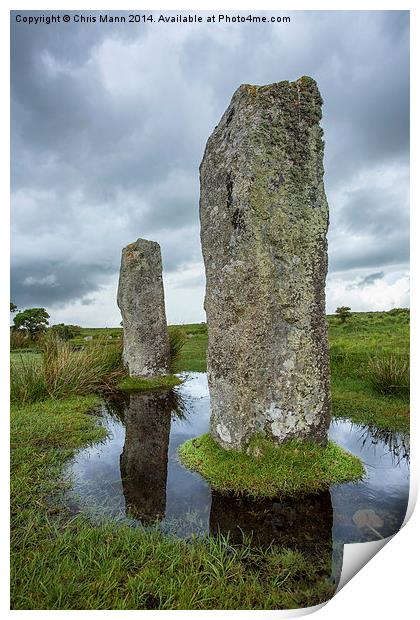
column 177, row 339
column 389, row 373
column 61, row 371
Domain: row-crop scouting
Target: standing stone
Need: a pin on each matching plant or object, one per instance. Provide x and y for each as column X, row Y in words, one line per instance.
column 142, row 304
column 264, row 219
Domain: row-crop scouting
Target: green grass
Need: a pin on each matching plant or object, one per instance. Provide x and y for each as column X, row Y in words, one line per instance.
column 64, row 562
column 364, row 336
column 367, row 336
column 389, row 373
column 193, row 355
column 16, row 357
column 355, row 400
column 141, row 383
column 61, row 372
column 97, row 332
column 267, row 470
column 177, row 338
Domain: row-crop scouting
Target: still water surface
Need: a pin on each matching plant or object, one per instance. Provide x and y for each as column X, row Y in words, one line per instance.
column 135, row 475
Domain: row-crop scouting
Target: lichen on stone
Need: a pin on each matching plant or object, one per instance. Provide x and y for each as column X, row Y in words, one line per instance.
column 264, row 219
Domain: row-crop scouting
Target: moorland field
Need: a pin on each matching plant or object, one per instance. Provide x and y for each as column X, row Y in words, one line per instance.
column 62, row 561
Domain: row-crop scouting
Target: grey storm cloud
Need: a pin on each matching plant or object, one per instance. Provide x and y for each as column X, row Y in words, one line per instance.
column 378, row 252
column 368, row 280
column 379, row 211
column 372, row 277
column 54, row 283
column 109, row 124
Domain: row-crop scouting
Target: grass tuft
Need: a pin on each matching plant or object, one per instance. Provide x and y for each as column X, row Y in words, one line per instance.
column 61, row 371
column 177, row 339
column 389, row 373
column 141, row 383
column 20, row 339
column 27, row 379
column 293, row 468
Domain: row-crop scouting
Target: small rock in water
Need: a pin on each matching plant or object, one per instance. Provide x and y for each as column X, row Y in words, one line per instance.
column 367, row 518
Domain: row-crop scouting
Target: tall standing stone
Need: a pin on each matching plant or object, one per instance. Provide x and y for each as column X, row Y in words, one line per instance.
column 264, row 219
column 142, row 304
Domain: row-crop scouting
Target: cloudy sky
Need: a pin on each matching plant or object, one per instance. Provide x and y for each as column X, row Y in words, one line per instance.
column 109, row 124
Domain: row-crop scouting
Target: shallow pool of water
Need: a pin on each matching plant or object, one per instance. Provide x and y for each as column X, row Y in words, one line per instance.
column 135, row 475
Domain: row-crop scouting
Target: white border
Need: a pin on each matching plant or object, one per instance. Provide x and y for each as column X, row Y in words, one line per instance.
column 386, row 586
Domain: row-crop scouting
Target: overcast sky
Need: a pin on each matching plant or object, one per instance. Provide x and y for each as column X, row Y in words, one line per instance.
column 109, row 124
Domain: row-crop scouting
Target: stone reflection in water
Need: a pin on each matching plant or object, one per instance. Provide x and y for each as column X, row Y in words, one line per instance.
column 144, row 459
column 302, row 524
column 379, row 502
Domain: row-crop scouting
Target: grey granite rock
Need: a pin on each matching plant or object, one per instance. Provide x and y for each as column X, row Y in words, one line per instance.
column 142, row 304
column 264, row 219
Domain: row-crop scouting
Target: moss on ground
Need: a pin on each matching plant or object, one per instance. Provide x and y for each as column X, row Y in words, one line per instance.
column 268, row 470
column 140, row 384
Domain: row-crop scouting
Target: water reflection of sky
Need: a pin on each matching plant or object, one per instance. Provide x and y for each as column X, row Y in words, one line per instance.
column 156, row 486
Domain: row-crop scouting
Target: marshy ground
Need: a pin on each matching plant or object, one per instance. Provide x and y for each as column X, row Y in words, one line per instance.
column 62, row 561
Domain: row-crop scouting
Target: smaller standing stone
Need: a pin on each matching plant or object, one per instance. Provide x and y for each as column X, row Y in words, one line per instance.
column 142, row 304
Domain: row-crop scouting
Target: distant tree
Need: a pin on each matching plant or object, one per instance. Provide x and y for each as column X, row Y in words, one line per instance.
column 13, row 307
column 33, row 320
column 76, row 330
column 66, row 332
column 343, row 313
